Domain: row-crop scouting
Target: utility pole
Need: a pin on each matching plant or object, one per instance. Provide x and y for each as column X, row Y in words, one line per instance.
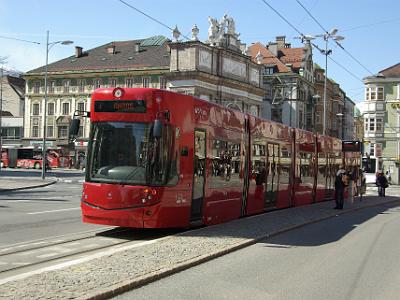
column 2, row 61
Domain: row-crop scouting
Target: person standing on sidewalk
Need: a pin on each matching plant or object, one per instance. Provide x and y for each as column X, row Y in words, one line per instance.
column 340, row 184
column 382, row 183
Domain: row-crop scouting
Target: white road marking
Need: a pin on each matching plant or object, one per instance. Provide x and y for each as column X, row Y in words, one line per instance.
column 91, row 246
column 50, row 211
column 79, row 260
column 16, row 201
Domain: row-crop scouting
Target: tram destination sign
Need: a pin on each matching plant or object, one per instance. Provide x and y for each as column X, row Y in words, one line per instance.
column 351, row 146
column 120, row 106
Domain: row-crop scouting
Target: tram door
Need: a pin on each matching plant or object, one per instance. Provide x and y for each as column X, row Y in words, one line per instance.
column 198, row 175
column 272, row 180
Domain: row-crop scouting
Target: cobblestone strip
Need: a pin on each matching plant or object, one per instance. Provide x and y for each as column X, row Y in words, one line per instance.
column 104, row 277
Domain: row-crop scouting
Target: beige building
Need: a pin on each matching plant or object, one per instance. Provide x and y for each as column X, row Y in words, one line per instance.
column 12, row 89
column 215, row 70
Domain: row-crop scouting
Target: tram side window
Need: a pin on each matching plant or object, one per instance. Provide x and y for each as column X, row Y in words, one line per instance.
column 285, row 166
column 218, row 172
column 273, row 167
column 258, row 162
column 233, row 164
column 225, row 164
column 306, row 169
column 322, row 167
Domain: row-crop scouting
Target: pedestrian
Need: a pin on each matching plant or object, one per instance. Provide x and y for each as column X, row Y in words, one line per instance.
column 341, row 181
column 389, row 176
column 382, row 183
column 361, row 185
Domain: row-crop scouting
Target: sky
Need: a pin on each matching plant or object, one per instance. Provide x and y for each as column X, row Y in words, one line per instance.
column 370, row 28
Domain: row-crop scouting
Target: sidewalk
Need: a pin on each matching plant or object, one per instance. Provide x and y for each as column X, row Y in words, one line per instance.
column 21, row 179
column 100, row 276
column 23, row 183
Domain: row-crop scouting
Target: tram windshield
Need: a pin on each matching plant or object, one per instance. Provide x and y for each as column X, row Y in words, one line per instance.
column 127, row 153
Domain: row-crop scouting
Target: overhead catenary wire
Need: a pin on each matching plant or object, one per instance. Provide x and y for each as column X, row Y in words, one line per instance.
column 371, row 24
column 303, row 36
column 150, row 17
column 17, row 39
column 337, row 43
column 283, row 18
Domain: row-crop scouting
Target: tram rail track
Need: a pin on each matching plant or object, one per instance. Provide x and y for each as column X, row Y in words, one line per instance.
column 57, row 250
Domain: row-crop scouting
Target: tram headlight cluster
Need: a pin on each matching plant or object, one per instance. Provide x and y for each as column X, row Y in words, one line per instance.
column 148, row 195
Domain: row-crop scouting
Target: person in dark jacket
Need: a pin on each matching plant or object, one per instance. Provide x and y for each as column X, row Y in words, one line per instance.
column 382, row 183
column 339, row 188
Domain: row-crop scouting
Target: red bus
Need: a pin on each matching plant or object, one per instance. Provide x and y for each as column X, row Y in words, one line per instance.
column 160, row 159
column 28, row 158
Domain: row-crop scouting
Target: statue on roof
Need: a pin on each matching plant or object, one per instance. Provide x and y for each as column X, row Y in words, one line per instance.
column 213, row 30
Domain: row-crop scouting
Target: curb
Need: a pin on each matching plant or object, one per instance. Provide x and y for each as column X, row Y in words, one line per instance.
column 28, row 187
column 129, row 285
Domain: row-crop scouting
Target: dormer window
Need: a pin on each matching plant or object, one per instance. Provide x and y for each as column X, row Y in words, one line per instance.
column 268, row 71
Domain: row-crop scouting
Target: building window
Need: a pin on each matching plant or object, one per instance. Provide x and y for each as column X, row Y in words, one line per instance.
column 371, row 124
column 97, row 83
column 129, row 82
column 50, row 131
column 65, row 108
column 80, row 131
column 81, row 85
column 145, row 82
column 81, row 106
column 51, row 87
column 379, row 93
column 268, row 71
column 35, row 131
column 66, row 86
column 398, row 92
column 11, row 133
column 374, row 93
column 62, row 132
column 113, row 82
column 50, row 109
column 36, row 87
column 379, row 124
column 318, row 118
column 372, row 149
column 35, row 109
column 163, row 83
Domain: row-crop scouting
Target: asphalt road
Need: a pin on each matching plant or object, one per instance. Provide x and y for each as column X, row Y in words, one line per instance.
column 352, row 256
column 33, row 214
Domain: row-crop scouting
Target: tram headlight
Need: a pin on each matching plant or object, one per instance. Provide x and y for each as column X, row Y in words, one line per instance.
column 118, row 92
column 148, row 195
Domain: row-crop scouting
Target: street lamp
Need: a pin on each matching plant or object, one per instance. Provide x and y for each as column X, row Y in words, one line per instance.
column 48, row 47
column 315, row 100
column 326, row 36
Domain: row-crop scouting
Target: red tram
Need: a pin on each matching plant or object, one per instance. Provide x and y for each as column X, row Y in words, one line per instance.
column 160, row 159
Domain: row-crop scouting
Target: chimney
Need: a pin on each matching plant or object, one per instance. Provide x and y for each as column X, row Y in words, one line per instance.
column 280, row 40
column 136, row 47
column 78, row 51
column 273, row 48
column 111, row 48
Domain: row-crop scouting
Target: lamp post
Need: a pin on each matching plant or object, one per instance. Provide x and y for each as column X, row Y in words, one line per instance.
column 326, row 36
column 315, row 100
column 341, row 115
column 48, row 47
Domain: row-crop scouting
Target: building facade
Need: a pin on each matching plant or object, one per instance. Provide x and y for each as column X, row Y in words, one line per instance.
column 136, row 63
column 12, row 91
column 215, row 70
column 382, row 122
column 288, row 81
